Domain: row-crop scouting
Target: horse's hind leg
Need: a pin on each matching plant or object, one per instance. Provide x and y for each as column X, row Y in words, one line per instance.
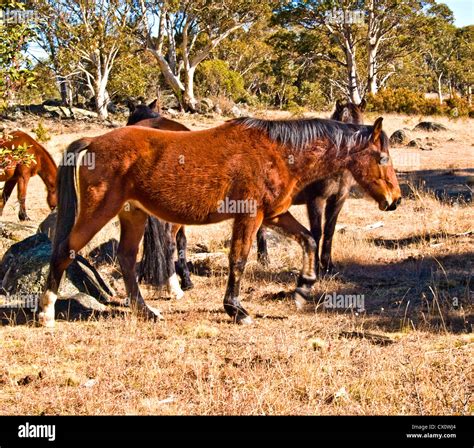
column 6, row 193
column 262, row 250
column 86, row 226
column 22, row 186
column 243, row 234
column 291, row 227
column 182, row 268
column 132, row 227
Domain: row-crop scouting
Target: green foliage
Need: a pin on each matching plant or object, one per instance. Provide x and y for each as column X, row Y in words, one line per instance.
column 41, row 132
column 215, row 78
column 405, row 101
column 11, row 156
column 15, row 68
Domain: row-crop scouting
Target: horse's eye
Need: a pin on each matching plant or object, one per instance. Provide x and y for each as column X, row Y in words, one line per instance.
column 384, row 159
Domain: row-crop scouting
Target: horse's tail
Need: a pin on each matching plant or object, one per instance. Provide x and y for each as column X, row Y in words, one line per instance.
column 66, row 187
column 157, row 264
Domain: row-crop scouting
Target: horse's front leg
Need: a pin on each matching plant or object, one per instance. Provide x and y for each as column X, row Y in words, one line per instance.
column 182, row 268
column 333, row 208
column 316, row 207
column 22, row 186
column 132, row 227
column 292, row 228
column 243, row 233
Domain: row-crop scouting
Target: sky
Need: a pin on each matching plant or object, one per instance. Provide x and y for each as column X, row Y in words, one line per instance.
column 463, row 11
column 463, row 15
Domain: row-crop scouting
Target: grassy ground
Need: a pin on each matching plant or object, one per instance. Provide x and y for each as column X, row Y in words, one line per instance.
column 409, row 352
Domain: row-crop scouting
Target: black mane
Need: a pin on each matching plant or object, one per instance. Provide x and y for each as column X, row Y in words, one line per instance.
column 300, row 134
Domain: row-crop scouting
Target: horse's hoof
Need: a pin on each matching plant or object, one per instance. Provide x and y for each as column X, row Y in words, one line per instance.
column 152, row 314
column 174, row 288
column 301, row 298
column 245, row 321
column 186, row 285
column 46, row 320
column 263, row 260
column 24, row 218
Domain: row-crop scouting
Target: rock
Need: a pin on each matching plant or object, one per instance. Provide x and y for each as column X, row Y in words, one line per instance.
column 16, row 232
column 416, row 143
column 48, row 225
column 205, row 105
column 106, row 253
column 25, row 266
column 205, row 263
column 83, row 113
column 235, row 112
column 429, row 126
column 172, row 112
column 399, row 137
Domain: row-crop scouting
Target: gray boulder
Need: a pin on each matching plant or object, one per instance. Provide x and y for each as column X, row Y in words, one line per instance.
column 25, row 266
column 430, row 126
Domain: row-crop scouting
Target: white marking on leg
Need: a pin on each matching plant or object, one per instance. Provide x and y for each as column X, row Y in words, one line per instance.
column 299, row 301
column 174, row 287
column 46, row 316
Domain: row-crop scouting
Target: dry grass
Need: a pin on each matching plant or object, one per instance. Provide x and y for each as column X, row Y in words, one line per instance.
column 315, row 362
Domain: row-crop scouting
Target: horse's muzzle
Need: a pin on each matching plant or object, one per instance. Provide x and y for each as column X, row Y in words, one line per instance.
column 385, row 206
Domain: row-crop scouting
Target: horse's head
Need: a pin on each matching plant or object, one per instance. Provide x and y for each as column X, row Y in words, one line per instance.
column 52, row 198
column 348, row 112
column 142, row 112
column 372, row 168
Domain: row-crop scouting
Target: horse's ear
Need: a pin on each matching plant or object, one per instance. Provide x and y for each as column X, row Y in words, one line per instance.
column 153, row 104
column 362, row 105
column 131, row 105
column 377, row 132
column 339, row 104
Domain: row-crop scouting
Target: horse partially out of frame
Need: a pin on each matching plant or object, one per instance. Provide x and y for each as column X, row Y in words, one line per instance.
column 19, row 173
column 259, row 164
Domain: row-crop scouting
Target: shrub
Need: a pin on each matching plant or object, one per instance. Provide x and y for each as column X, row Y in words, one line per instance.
column 214, row 78
column 41, row 132
column 406, row 101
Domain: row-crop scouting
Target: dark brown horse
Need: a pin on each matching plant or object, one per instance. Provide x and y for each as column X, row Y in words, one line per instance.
column 161, row 239
column 19, row 174
column 324, row 200
column 251, row 175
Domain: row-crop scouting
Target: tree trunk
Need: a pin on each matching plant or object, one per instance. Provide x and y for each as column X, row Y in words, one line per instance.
column 63, row 90
column 188, row 95
column 101, row 101
column 371, row 69
column 354, row 93
column 440, row 89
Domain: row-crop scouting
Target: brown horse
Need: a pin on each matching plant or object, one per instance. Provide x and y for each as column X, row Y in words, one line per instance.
column 251, row 175
column 323, row 198
column 20, row 173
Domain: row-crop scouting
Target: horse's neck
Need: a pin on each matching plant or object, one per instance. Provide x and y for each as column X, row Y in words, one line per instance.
column 48, row 169
column 309, row 165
